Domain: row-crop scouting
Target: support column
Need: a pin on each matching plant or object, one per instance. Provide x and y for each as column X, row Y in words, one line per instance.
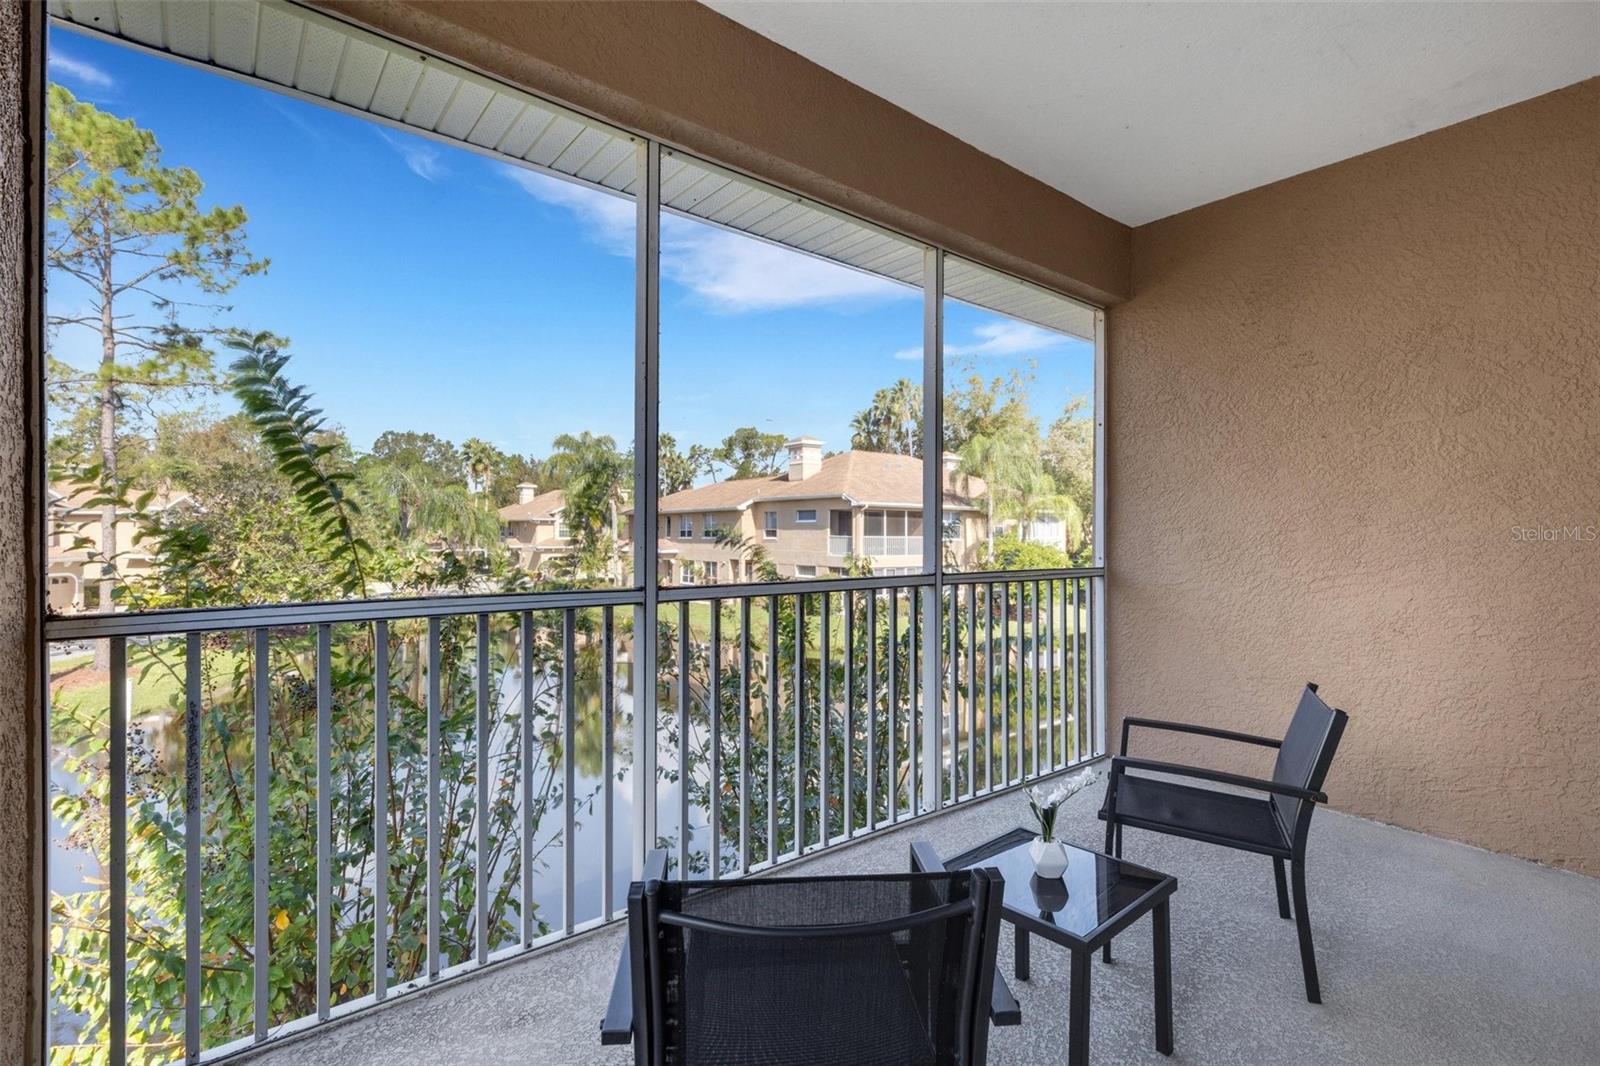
column 22, row 678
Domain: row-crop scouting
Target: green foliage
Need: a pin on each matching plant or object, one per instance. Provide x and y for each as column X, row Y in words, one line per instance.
column 293, row 432
column 748, row 452
column 1010, row 553
column 124, row 225
column 597, row 477
column 675, row 470
column 893, row 421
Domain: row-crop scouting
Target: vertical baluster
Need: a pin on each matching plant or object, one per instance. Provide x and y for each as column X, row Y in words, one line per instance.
column 972, row 690
column 525, row 827
column 772, row 730
column 569, row 774
column 608, row 717
column 261, row 858
column 480, row 872
column 872, row 709
column 892, row 650
column 954, row 621
column 1077, row 684
column 435, row 812
column 799, row 802
column 1035, row 605
column 1021, row 686
column 1092, row 719
column 744, row 734
column 714, row 793
column 913, row 704
column 824, row 720
column 380, row 810
column 1005, row 683
column 683, row 738
column 117, row 799
column 849, row 797
column 324, row 819
column 1059, row 657
column 191, row 848
column 990, row 724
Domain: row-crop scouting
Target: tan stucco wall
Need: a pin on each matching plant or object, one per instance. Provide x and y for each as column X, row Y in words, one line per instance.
column 1331, row 400
column 685, row 74
column 21, row 868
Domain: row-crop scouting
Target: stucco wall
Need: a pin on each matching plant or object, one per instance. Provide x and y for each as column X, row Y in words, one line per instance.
column 1332, row 400
column 685, row 74
column 21, row 871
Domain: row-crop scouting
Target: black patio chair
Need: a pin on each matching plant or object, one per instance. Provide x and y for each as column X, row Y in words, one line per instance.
column 1275, row 825
column 809, row 971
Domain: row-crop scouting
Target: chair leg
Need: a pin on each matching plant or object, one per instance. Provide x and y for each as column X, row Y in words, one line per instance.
column 1302, row 917
column 1022, row 953
column 1283, row 888
column 1113, row 847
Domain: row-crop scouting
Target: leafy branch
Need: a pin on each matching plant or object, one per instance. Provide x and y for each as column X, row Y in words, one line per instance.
column 292, row 430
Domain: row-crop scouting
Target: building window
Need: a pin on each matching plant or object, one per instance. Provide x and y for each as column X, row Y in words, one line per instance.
column 807, row 515
column 710, row 527
column 805, row 571
column 893, row 532
column 952, row 527
column 686, row 573
column 685, row 528
column 769, row 525
column 710, row 569
column 562, row 530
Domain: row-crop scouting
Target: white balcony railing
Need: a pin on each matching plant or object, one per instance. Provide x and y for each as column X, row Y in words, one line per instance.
column 839, row 545
column 877, row 546
column 487, row 735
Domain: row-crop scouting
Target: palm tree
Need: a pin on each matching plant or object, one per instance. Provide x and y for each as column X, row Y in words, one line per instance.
column 480, row 456
column 1005, row 460
column 597, row 477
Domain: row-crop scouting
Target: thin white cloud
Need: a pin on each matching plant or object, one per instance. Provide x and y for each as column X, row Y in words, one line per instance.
column 64, row 66
column 996, row 338
column 1006, row 338
column 608, row 220
column 422, row 159
column 728, row 272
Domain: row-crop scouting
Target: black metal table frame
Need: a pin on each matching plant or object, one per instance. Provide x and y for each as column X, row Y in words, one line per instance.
column 1154, row 902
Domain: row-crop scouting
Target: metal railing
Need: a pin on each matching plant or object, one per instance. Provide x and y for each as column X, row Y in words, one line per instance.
column 439, row 784
column 892, row 545
column 839, row 544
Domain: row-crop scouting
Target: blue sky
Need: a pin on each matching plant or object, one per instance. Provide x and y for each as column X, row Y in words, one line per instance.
column 429, row 288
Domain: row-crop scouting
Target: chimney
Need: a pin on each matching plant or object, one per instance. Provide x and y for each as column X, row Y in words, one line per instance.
column 805, row 457
column 952, row 461
column 526, row 492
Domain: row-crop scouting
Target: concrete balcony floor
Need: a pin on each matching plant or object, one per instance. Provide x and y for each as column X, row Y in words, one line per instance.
column 1429, row 952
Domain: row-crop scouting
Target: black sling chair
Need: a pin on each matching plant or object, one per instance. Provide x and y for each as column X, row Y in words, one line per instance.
column 808, row 971
column 1275, row 825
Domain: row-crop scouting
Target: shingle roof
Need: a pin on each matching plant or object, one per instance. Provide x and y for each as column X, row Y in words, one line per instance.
column 862, row 477
column 542, row 507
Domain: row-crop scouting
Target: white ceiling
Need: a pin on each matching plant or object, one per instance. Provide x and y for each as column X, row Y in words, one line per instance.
column 1143, row 110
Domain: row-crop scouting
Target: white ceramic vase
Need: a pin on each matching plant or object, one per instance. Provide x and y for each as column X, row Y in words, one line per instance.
column 1049, row 857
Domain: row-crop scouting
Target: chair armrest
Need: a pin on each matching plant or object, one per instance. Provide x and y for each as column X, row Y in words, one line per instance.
column 924, row 859
column 1123, row 762
column 1003, row 1006
column 617, row 1026
column 1198, row 730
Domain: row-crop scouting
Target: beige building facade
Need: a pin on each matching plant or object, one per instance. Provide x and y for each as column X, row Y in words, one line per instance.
column 855, row 512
